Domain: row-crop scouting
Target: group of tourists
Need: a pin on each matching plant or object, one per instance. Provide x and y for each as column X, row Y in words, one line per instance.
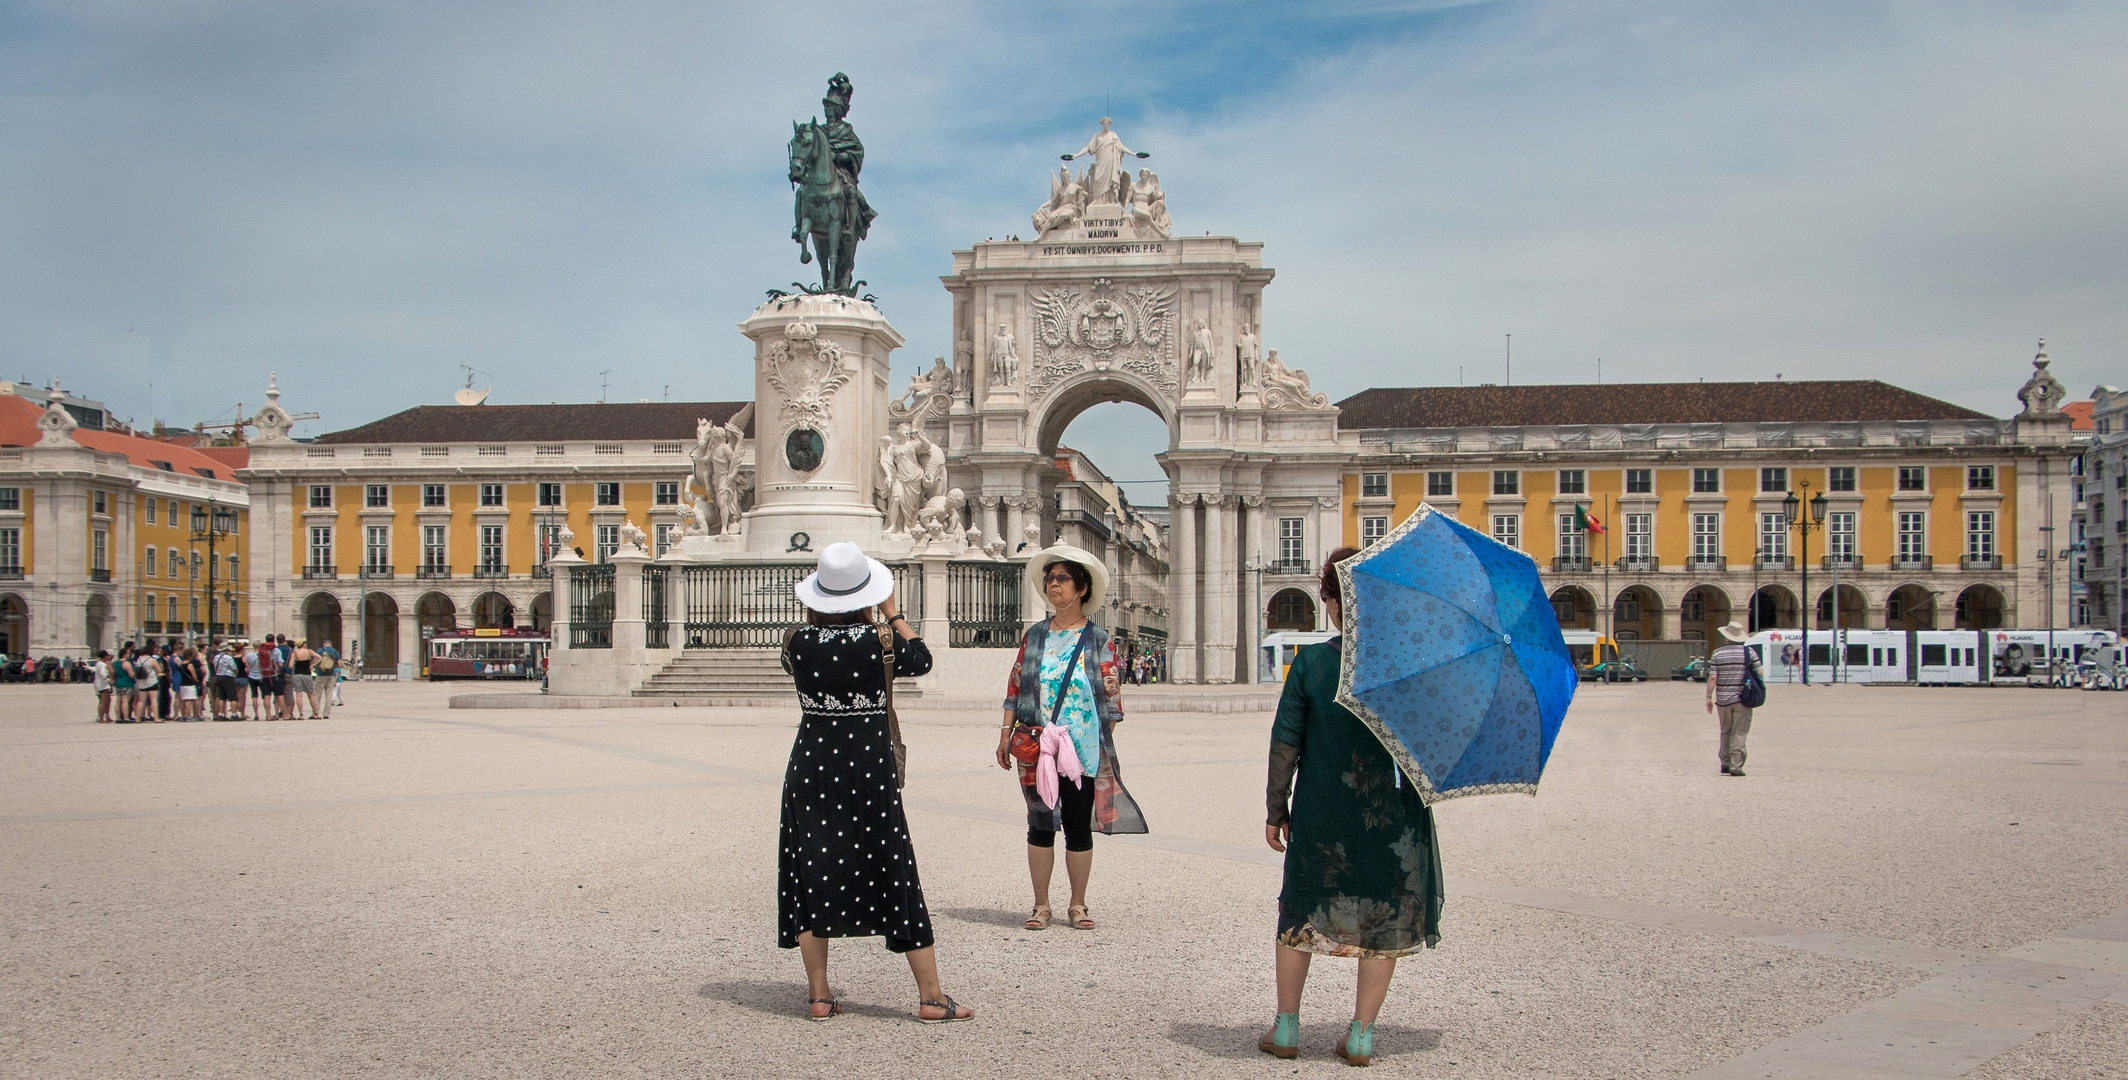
column 272, row 679
column 1363, row 869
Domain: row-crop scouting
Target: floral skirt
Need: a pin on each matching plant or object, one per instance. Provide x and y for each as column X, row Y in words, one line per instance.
column 1295, row 932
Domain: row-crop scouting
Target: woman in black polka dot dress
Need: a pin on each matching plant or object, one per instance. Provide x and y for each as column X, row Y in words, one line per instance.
column 845, row 866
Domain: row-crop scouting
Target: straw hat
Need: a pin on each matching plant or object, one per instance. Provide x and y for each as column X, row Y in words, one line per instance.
column 1039, row 565
column 845, row 579
column 1735, row 631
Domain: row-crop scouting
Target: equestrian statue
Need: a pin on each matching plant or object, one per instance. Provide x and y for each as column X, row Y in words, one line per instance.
column 826, row 159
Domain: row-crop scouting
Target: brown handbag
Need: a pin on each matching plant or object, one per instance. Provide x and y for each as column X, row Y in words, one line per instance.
column 901, row 751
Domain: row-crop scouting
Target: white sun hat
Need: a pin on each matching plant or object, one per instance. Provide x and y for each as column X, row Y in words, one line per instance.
column 1735, row 631
column 845, row 579
column 1039, row 564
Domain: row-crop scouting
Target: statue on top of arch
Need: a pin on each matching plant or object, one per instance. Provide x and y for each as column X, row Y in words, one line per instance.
column 1105, row 182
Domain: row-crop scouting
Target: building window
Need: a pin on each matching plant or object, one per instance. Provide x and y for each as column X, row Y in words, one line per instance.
column 195, row 609
column 491, row 494
column 1507, row 528
column 376, row 496
column 667, row 493
column 1773, row 536
column 1706, row 535
column 1840, row 478
column 321, row 546
column 1980, row 477
column 1628, row 608
column 99, row 502
column 433, row 495
column 1507, row 482
column 11, row 550
column 609, row 541
column 1573, row 482
column 1440, row 483
column 550, row 542
column 1290, row 550
column 232, row 569
column 149, row 604
column 1640, row 536
column 1913, row 534
column 1773, row 479
column 550, row 494
column 376, row 548
column 608, row 493
column 170, row 605
column 1980, row 534
column 1372, row 529
column 1640, row 481
column 1573, row 543
column 1840, row 535
column 10, row 498
column 151, row 512
column 491, row 561
column 1374, row 485
column 1913, row 478
column 321, row 496
column 172, row 507
column 147, row 564
column 435, row 548
column 1706, row 481
column 663, row 537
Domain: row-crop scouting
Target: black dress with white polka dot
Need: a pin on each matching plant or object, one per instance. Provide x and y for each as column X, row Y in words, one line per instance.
column 845, row 866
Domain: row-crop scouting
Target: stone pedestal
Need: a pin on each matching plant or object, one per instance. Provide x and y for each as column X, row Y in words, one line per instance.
column 821, row 366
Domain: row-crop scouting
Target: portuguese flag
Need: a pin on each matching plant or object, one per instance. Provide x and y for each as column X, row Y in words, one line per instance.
column 1587, row 522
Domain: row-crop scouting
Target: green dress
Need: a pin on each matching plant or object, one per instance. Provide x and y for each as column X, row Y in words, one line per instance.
column 1363, row 866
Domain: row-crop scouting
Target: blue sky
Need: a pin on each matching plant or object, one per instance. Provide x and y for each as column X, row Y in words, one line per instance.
column 363, row 196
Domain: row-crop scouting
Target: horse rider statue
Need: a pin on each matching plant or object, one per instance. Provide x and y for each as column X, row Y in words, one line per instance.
column 825, row 160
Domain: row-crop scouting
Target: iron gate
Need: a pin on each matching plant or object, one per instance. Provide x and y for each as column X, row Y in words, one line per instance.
column 657, row 631
column 591, row 607
column 749, row 607
column 983, row 605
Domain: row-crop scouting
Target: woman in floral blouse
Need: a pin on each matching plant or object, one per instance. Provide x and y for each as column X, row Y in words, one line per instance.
column 1062, row 694
column 1363, row 868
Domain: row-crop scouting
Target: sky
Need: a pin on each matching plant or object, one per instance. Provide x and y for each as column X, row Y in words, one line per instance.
column 579, row 198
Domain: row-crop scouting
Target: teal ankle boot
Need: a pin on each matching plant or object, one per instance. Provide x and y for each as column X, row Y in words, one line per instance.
column 1283, row 1040
column 1358, row 1047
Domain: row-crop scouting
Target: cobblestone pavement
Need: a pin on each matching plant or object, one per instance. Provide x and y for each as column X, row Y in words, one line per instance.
column 1910, row 882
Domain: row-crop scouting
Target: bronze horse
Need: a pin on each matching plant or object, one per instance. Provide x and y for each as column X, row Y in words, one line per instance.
column 825, row 209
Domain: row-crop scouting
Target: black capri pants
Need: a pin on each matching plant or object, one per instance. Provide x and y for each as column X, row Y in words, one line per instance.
column 1075, row 800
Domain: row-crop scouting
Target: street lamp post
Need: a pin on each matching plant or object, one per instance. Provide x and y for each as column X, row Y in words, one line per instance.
column 209, row 524
column 1816, row 521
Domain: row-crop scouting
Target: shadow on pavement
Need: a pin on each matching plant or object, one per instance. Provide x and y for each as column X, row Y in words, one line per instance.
column 989, row 917
column 1316, row 1040
column 785, row 999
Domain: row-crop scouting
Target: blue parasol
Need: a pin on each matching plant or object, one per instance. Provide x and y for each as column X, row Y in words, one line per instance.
column 1452, row 656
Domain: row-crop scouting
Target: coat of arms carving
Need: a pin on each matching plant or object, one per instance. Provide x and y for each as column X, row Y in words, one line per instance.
column 1102, row 328
column 807, row 370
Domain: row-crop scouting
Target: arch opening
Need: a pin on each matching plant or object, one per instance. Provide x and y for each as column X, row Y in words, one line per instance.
column 1637, row 614
column 493, row 611
column 1854, row 609
column 14, row 625
column 1979, row 607
column 1910, row 607
column 1290, row 609
column 1773, row 607
column 380, row 634
column 1575, row 607
column 1703, row 611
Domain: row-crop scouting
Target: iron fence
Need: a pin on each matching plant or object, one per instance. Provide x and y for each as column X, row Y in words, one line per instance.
column 657, row 630
column 749, row 607
column 591, row 607
column 983, row 605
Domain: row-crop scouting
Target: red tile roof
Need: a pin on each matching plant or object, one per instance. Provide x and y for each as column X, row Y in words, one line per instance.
column 1782, row 401
column 18, row 427
column 618, row 421
column 2080, row 415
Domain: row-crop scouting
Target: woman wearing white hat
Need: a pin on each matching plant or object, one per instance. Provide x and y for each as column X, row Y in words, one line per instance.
column 1061, row 710
column 845, row 866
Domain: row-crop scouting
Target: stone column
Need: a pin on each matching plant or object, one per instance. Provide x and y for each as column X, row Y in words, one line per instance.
column 1012, row 523
column 628, row 565
column 932, row 622
column 1251, row 584
column 1219, row 588
column 987, row 517
column 1182, row 658
column 564, row 600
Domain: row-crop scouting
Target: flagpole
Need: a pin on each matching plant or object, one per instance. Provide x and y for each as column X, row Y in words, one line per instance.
column 1610, row 603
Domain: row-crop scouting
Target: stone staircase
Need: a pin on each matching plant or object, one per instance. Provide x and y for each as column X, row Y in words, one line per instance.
column 726, row 676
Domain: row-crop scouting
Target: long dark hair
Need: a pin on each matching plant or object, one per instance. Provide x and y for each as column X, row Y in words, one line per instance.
column 838, row 618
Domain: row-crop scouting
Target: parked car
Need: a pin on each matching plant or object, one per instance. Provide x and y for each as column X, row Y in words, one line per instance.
column 1695, row 670
column 1614, row 671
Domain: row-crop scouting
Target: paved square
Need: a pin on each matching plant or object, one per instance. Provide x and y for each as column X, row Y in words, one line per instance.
column 1910, row 882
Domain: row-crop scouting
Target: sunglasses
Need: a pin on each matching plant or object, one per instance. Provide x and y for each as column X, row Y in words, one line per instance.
column 1053, row 579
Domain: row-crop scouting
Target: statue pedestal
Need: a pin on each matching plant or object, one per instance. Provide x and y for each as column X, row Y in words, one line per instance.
column 821, row 366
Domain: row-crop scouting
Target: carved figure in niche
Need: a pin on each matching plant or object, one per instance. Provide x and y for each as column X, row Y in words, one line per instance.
column 1245, row 349
column 964, row 367
column 1200, row 354
column 1004, row 357
column 1104, row 182
column 1287, row 388
column 1148, row 205
column 1067, row 202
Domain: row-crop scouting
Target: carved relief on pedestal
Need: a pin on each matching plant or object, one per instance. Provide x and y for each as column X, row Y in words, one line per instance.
column 1287, row 388
column 1102, row 328
column 806, row 371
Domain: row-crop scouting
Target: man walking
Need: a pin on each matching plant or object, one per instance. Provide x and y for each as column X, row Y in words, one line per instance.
column 1725, row 695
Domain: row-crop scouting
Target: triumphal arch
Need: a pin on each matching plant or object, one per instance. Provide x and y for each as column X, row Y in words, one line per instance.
column 1108, row 303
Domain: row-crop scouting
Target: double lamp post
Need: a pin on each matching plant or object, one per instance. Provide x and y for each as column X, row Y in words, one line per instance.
column 1809, row 605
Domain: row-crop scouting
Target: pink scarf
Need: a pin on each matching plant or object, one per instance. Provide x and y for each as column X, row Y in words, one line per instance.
column 1057, row 754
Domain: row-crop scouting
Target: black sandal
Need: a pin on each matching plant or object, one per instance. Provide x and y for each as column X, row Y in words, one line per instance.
column 952, row 1009
column 834, row 1006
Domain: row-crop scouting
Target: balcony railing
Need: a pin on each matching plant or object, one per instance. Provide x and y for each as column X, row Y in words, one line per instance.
column 197, row 628
column 320, row 573
column 1700, row 564
column 433, row 570
column 100, row 575
column 491, row 570
column 376, row 570
column 1570, row 564
column 1776, row 562
column 1980, row 562
column 1913, row 562
column 10, row 573
column 151, row 628
column 1840, row 562
column 1289, row 566
column 1639, row 563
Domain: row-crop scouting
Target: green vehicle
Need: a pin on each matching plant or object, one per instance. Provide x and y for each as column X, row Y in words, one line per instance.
column 1614, row 671
column 1695, row 670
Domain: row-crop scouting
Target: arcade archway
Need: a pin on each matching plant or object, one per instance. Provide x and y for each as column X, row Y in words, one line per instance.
column 1703, row 611
column 1910, row 607
column 1290, row 609
column 380, row 634
column 1773, row 607
column 1636, row 614
column 14, row 624
column 1575, row 607
column 1979, row 607
column 543, row 611
column 321, row 621
column 493, row 611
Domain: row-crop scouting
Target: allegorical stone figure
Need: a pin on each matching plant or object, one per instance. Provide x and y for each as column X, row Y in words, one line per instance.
column 1200, row 353
column 1004, row 357
column 1245, row 350
column 1148, row 209
column 1104, row 183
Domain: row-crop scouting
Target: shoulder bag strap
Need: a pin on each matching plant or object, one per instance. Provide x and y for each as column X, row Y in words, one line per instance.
column 886, row 663
column 1056, row 707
